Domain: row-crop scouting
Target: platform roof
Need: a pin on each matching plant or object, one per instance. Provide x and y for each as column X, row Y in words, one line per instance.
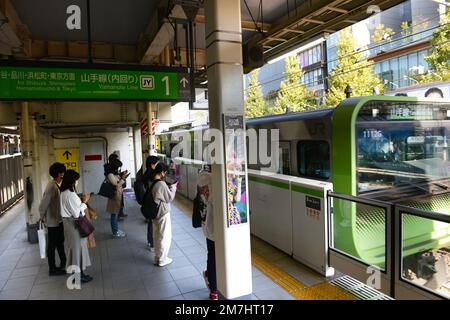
column 131, row 31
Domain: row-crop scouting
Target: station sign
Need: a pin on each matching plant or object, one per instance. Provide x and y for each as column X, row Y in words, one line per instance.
column 103, row 82
column 68, row 157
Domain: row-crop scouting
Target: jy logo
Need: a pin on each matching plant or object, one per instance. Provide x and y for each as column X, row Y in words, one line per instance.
column 147, row 82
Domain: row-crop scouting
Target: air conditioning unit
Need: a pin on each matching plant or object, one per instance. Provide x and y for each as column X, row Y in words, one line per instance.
column 253, row 56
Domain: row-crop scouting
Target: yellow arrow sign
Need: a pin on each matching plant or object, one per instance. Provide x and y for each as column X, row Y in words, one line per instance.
column 69, row 157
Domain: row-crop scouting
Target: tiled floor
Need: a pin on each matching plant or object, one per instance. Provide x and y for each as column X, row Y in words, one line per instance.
column 122, row 268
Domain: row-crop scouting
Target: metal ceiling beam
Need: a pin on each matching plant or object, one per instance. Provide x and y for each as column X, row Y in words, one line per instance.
column 312, row 21
column 335, row 9
column 246, row 25
column 13, row 32
column 306, row 9
column 160, row 37
column 358, row 13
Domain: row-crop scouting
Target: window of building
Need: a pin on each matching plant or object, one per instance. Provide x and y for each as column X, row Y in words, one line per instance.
column 403, row 71
column 313, row 159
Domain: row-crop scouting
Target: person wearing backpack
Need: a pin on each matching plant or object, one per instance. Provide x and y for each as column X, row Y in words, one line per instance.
column 205, row 208
column 162, row 195
column 147, row 180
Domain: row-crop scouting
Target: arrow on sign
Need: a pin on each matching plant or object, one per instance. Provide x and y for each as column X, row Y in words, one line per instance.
column 184, row 82
column 67, row 154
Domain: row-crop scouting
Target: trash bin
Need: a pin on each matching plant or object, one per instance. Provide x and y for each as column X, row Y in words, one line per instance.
column 32, row 230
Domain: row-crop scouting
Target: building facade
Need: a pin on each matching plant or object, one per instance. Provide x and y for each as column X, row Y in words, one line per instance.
column 396, row 40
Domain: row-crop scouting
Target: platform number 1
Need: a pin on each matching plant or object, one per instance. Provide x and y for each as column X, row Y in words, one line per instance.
column 166, row 80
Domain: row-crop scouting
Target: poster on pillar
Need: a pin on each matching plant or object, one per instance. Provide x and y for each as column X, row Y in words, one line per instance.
column 68, row 157
column 235, row 169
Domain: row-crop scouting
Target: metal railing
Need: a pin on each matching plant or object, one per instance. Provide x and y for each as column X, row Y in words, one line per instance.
column 409, row 246
column 11, row 180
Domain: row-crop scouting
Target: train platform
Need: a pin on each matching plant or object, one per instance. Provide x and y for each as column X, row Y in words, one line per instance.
column 123, row 268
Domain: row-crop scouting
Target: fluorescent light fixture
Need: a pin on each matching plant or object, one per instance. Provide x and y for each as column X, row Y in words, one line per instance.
column 297, row 50
column 204, row 82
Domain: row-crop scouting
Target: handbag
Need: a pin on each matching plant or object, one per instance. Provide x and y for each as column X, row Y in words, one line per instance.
column 84, row 226
column 107, row 190
column 42, row 240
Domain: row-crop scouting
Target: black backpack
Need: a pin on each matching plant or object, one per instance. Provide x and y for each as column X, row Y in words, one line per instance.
column 149, row 207
column 139, row 187
column 199, row 207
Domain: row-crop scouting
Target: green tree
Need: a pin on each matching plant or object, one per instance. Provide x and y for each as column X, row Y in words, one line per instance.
column 293, row 92
column 406, row 31
column 382, row 34
column 439, row 58
column 352, row 69
column 255, row 105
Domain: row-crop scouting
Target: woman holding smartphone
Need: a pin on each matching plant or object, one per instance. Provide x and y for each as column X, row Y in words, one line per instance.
column 114, row 204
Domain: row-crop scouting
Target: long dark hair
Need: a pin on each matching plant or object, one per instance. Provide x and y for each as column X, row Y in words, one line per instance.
column 68, row 183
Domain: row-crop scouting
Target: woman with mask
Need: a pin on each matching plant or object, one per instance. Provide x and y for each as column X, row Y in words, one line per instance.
column 114, row 204
column 72, row 207
column 163, row 195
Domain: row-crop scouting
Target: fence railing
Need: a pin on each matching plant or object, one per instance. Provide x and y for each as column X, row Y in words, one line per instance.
column 409, row 246
column 11, row 180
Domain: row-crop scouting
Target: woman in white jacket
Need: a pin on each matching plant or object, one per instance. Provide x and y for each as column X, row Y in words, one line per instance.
column 163, row 195
column 72, row 206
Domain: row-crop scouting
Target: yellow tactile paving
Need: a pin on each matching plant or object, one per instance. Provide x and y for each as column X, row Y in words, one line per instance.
column 322, row 291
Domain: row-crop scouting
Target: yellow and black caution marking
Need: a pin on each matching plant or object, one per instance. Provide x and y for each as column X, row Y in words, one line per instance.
column 322, row 291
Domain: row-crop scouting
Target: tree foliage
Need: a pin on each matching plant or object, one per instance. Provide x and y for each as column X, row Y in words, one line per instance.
column 352, row 69
column 293, row 93
column 439, row 58
column 255, row 105
column 382, row 33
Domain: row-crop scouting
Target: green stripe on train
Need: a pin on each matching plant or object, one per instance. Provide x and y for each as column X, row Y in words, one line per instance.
column 282, row 185
column 277, row 184
column 311, row 192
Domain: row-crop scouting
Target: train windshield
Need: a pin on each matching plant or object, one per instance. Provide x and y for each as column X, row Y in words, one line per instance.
column 403, row 145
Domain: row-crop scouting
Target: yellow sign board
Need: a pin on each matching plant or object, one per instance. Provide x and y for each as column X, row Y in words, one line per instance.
column 158, row 145
column 69, row 157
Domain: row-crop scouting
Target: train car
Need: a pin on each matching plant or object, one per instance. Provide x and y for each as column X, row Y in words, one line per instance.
column 391, row 149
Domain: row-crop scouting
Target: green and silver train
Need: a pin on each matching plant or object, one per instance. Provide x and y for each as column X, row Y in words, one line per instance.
column 391, row 149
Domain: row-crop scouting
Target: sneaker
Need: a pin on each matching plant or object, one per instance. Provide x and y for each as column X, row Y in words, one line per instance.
column 119, row 234
column 205, row 276
column 86, row 278
column 57, row 272
column 150, row 247
column 165, row 262
column 213, row 295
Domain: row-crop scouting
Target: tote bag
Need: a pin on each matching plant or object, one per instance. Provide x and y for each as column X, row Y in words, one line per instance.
column 107, row 190
column 42, row 241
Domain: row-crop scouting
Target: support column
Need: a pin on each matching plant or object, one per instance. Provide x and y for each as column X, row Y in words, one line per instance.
column 225, row 95
column 31, row 181
column 151, row 137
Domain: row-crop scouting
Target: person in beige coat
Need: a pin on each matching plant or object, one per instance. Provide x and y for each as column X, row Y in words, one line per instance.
column 113, row 205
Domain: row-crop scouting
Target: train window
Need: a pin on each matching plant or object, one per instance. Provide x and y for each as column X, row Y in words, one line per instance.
column 285, row 158
column 314, row 159
column 403, row 145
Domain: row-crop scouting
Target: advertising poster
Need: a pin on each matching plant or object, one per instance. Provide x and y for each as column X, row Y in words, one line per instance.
column 237, row 207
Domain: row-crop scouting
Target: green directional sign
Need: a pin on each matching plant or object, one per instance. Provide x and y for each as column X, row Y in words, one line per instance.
column 49, row 83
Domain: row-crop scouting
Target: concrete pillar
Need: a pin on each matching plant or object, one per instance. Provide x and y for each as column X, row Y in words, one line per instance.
column 151, row 138
column 51, row 149
column 30, row 152
column 225, row 91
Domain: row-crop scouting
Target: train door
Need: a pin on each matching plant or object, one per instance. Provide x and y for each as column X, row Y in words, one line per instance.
column 92, row 158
